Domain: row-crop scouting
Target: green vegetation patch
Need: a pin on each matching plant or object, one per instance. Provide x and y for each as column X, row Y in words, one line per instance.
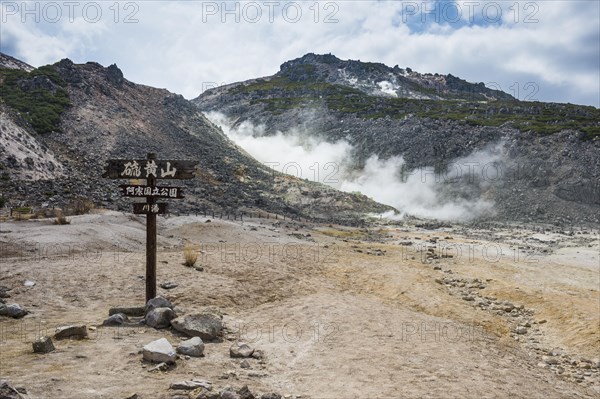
column 39, row 96
column 281, row 94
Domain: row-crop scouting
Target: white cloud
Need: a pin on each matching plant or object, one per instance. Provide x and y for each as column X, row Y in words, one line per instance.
column 185, row 47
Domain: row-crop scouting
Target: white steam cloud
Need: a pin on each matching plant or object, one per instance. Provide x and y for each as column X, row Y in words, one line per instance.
column 421, row 192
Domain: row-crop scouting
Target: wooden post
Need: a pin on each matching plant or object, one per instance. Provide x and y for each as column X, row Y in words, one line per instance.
column 151, row 242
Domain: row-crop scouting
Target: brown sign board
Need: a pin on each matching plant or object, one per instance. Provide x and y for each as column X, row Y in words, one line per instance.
column 140, row 208
column 130, row 190
column 149, row 168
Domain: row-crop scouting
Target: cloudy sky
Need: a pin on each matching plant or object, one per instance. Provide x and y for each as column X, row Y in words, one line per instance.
column 535, row 50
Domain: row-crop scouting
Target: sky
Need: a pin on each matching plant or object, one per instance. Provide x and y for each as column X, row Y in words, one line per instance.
column 535, row 50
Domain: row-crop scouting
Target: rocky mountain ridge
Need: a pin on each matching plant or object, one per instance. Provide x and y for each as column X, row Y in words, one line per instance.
column 106, row 117
column 549, row 169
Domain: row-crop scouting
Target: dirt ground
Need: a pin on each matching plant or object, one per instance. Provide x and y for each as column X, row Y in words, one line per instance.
column 381, row 312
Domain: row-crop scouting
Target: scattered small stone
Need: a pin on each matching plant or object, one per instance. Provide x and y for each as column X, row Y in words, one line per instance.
column 159, row 367
column 43, row 345
column 206, row 325
column 13, row 310
column 159, row 317
column 245, row 364
column 192, row 347
column 159, row 351
column 521, row 330
column 168, row 285
column 199, row 268
column 29, row 283
column 240, row 350
column 191, row 385
column 7, row 391
column 73, row 331
column 258, row 354
column 115, row 320
column 133, row 396
column 549, row 359
column 131, row 311
column 271, row 395
column 244, row 393
column 4, row 291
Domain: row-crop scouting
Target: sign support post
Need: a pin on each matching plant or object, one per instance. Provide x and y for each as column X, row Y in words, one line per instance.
column 151, row 240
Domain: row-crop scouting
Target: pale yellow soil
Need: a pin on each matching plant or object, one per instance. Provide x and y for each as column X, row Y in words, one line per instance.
column 332, row 322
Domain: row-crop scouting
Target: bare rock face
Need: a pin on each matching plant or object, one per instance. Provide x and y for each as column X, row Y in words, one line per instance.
column 206, row 325
column 159, row 351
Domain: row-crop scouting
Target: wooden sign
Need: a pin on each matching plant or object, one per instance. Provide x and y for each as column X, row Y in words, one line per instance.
column 130, row 190
column 149, row 168
column 150, row 209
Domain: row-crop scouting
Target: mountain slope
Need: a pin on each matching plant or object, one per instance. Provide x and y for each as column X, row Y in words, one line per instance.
column 547, row 169
column 107, row 116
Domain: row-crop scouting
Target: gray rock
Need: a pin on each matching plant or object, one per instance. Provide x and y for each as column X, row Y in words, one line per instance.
column 192, row 347
column 160, row 367
column 245, row 393
column 131, row 311
column 245, row 364
column 207, row 325
column 202, row 393
column 159, row 351
column 168, row 285
column 7, row 391
column 4, row 291
column 549, row 360
column 240, row 350
column 74, row 331
column 521, row 330
column 191, row 385
column 115, row 320
column 228, row 394
column 159, row 317
column 271, row 395
column 158, row 302
column 13, row 310
column 43, row 345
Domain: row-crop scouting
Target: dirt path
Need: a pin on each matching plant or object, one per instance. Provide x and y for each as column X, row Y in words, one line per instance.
column 338, row 312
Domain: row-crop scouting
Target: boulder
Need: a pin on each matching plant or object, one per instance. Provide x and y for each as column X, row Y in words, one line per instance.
column 158, row 302
column 43, row 345
column 159, row 351
column 73, row 331
column 240, row 350
column 159, row 317
column 115, row 320
column 13, row 310
column 192, row 347
column 207, row 325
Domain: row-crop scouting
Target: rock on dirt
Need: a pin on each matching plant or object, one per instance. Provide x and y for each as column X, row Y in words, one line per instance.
column 115, row 320
column 159, row 351
column 43, row 345
column 13, row 310
column 73, row 331
column 240, row 350
column 207, row 325
column 158, row 302
column 159, row 317
column 192, row 347
column 7, row 391
column 192, row 384
column 131, row 311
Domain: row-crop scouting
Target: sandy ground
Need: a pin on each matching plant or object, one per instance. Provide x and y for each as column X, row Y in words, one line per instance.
column 339, row 312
